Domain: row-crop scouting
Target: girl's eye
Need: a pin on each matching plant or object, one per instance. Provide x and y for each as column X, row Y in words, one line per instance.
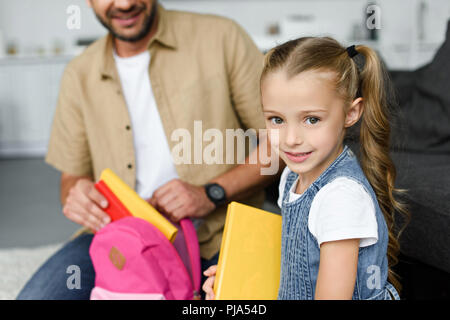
column 276, row 120
column 312, row 120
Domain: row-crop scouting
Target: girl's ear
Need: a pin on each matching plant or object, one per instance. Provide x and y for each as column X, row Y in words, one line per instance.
column 354, row 112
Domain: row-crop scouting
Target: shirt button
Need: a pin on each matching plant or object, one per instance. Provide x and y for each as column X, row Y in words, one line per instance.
column 118, row 91
column 128, row 127
column 130, row 166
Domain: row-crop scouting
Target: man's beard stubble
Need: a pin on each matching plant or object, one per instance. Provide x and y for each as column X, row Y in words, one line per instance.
column 147, row 25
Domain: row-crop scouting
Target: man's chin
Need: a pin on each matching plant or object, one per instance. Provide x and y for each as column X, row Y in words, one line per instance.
column 127, row 36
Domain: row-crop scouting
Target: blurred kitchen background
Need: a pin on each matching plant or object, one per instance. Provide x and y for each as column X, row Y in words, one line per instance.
column 36, row 42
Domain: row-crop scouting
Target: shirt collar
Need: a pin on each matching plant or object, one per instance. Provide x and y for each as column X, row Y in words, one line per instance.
column 164, row 35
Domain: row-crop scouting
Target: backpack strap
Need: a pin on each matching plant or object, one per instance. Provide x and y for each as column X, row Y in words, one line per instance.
column 193, row 248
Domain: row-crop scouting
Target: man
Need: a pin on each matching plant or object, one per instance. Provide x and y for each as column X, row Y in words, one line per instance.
column 121, row 102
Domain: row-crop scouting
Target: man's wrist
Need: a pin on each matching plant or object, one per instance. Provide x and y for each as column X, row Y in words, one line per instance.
column 216, row 194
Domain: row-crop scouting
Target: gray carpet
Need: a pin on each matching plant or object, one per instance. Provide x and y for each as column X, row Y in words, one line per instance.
column 17, row 265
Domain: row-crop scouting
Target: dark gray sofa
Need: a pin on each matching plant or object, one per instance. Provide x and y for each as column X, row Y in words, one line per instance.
column 421, row 152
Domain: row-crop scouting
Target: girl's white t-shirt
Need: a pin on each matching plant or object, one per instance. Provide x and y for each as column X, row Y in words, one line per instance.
column 154, row 162
column 342, row 209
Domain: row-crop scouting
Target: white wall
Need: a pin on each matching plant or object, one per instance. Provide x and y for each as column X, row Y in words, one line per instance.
column 29, row 85
column 255, row 15
column 34, row 24
column 37, row 24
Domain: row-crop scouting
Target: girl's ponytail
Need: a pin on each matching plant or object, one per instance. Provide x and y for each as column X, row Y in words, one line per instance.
column 374, row 148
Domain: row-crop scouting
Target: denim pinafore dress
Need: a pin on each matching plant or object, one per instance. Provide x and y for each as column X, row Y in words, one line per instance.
column 300, row 251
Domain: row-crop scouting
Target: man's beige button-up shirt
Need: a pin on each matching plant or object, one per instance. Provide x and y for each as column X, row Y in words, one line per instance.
column 203, row 68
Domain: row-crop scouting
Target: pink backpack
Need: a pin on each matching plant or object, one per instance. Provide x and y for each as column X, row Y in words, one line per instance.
column 133, row 260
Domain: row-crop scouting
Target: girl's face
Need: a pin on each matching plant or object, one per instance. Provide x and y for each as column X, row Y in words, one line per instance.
column 310, row 118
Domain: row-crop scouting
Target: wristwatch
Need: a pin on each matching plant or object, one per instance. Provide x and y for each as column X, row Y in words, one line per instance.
column 216, row 193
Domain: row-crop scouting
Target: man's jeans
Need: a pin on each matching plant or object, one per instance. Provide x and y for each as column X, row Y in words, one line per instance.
column 54, row 281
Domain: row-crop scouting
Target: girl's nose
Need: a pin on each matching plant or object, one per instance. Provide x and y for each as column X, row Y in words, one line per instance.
column 292, row 136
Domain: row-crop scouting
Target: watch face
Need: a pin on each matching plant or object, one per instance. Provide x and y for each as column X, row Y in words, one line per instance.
column 216, row 192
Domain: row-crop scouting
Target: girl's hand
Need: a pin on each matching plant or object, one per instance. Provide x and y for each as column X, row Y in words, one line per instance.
column 209, row 283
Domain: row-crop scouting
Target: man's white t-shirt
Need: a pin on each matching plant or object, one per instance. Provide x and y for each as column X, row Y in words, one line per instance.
column 342, row 209
column 154, row 163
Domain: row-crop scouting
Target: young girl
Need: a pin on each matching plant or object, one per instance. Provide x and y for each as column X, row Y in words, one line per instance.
column 338, row 217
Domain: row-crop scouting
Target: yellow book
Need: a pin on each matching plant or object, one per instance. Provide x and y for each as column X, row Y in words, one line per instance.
column 250, row 255
column 137, row 206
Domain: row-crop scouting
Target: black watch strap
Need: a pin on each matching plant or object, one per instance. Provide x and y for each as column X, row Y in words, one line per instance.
column 216, row 193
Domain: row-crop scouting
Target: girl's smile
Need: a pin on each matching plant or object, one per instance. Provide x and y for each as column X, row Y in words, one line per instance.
column 297, row 157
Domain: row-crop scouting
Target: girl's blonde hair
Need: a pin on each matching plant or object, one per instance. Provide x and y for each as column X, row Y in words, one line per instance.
column 326, row 54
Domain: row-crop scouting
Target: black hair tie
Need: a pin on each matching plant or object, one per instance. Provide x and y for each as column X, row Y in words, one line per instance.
column 352, row 51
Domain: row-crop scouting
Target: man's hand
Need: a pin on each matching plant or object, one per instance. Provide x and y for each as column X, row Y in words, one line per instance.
column 178, row 199
column 83, row 205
